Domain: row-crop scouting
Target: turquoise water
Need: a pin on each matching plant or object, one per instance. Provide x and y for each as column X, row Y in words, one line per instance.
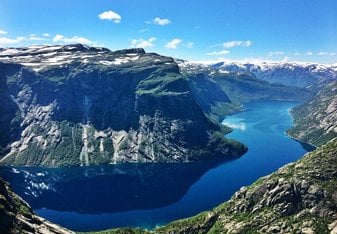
column 98, row 198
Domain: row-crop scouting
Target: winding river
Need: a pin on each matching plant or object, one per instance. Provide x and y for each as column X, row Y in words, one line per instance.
column 95, row 198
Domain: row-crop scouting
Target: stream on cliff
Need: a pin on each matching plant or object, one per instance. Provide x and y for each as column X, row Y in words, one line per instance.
column 146, row 195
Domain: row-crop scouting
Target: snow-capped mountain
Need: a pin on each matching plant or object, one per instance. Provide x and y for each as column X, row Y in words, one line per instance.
column 40, row 57
column 304, row 75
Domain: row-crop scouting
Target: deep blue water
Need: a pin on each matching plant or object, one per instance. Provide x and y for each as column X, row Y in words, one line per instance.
column 102, row 197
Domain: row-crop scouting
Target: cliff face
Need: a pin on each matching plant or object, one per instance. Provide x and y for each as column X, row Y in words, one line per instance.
column 17, row 217
column 78, row 105
column 9, row 118
column 315, row 121
column 299, row 198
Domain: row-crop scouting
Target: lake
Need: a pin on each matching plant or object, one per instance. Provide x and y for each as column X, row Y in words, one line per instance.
column 147, row 195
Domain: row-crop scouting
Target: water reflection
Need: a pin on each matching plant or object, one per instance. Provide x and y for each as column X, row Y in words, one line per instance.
column 105, row 189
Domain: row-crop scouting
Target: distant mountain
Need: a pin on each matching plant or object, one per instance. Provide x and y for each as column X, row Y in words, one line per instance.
column 80, row 105
column 304, row 75
column 315, row 121
column 16, row 216
column 220, row 92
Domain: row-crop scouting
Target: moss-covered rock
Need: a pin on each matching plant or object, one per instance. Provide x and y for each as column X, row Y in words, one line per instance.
column 17, row 217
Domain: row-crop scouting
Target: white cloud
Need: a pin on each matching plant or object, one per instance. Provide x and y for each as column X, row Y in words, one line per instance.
column 160, row 21
column 140, row 43
column 35, row 38
column 58, row 38
column 111, row 16
column 173, row 44
column 46, row 35
column 275, row 53
column 222, row 52
column 4, row 41
column 296, row 54
column 189, row 44
column 309, row 53
column 231, row 44
column 76, row 39
column 8, row 41
column 3, row 32
column 326, row 53
column 144, row 30
column 286, row 59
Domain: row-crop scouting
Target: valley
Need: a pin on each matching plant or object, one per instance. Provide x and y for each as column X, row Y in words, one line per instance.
column 168, row 117
column 144, row 138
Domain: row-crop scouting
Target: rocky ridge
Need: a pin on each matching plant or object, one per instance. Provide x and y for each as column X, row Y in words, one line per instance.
column 315, row 121
column 17, row 217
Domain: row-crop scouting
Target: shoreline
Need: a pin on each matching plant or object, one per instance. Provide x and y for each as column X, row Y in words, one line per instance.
column 301, row 142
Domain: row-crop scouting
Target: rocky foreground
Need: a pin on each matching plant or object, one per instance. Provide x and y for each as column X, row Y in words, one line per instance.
column 17, row 217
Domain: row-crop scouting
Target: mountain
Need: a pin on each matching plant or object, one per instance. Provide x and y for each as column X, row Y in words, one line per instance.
column 304, row 75
column 79, row 105
column 220, row 93
column 315, row 121
column 299, row 198
column 16, row 216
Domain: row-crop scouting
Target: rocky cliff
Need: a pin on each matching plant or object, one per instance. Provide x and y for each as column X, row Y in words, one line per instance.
column 79, row 105
column 17, row 217
column 315, row 121
column 9, row 117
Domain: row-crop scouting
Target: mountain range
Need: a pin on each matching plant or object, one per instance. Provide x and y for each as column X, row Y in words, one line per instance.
column 300, row 74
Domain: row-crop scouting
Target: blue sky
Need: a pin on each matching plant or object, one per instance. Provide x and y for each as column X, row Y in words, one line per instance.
column 296, row 30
